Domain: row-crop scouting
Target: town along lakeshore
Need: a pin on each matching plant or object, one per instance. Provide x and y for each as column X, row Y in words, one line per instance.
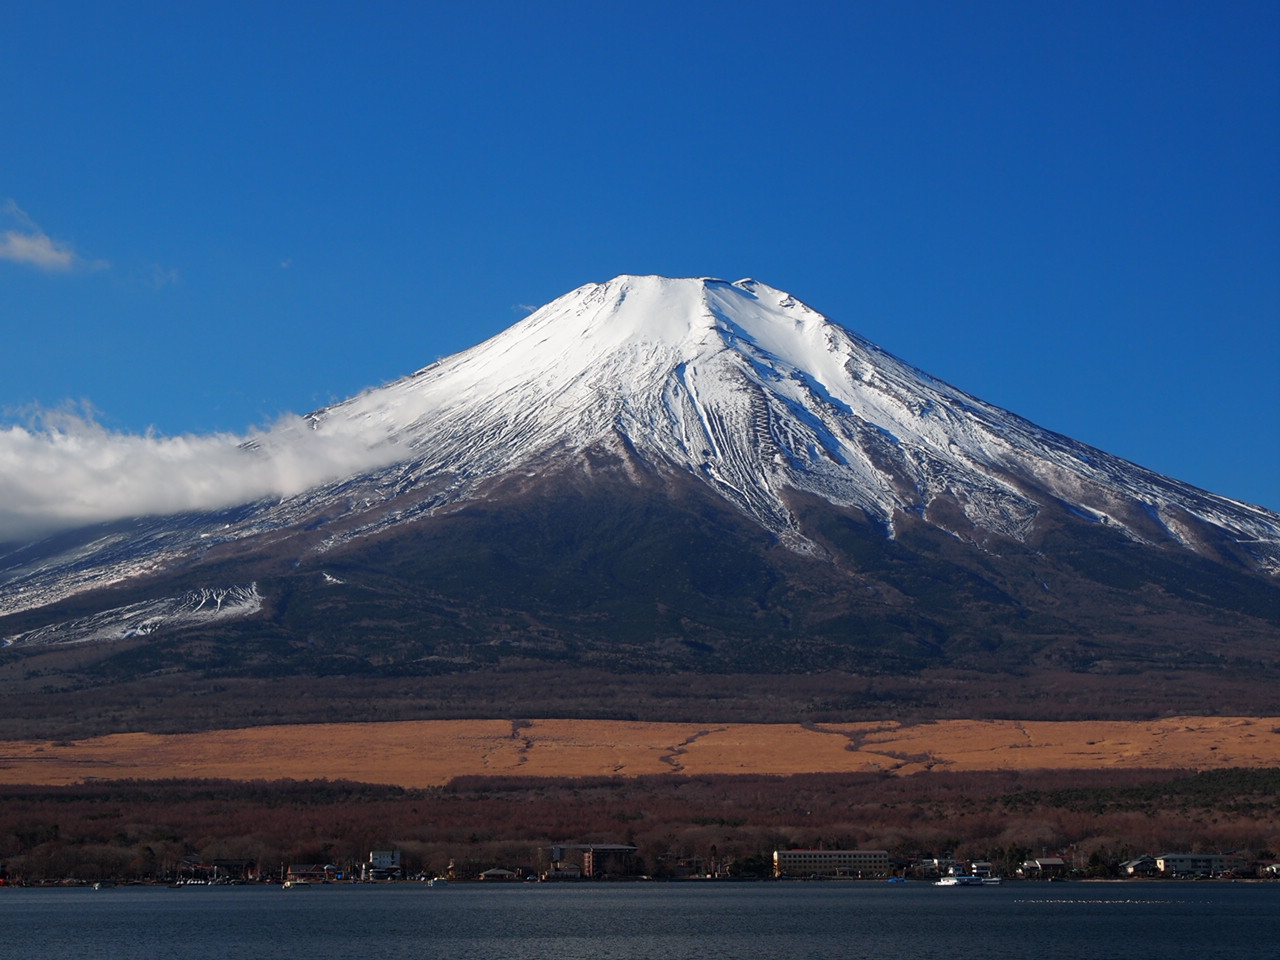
column 1093, row 823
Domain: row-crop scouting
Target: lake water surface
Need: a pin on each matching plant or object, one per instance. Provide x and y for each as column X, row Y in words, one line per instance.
column 778, row 921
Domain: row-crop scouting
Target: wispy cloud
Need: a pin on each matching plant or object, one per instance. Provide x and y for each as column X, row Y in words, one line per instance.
column 26, row 244
column 35, row 250
column 62, row 469
column 161, row 277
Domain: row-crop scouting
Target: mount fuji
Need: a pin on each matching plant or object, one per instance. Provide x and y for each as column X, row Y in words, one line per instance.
column 665, row 478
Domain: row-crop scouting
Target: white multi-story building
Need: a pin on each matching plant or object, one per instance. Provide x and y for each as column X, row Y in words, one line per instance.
column 831, row 863
column 1198, row 864
column 381, row 865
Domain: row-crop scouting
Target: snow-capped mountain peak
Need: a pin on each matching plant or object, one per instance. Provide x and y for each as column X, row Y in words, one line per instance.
column 737, row 386
column 757, row 394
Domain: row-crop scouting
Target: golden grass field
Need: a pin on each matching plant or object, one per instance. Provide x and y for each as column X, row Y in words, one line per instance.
column 428, row 753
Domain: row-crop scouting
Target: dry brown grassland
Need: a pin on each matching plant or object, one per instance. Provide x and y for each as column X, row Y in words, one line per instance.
column 429, row 753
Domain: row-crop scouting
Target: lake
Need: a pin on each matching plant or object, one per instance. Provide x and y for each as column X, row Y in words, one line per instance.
column 637, row 921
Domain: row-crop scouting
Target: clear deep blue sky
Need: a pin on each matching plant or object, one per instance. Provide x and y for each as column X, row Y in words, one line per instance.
column 214, row 213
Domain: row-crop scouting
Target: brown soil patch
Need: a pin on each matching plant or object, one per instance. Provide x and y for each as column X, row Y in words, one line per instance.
column 427, row 753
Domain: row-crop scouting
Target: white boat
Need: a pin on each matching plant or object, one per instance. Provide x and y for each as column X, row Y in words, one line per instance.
column 959, row 881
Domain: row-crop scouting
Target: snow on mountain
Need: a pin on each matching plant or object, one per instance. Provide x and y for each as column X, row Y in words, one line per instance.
column 737, row 384
column 139, row 619
column 757, row 394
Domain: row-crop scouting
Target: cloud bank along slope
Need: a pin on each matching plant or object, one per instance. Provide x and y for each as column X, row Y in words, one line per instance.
column 64, row 469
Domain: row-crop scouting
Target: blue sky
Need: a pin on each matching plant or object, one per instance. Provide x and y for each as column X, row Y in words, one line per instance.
column 212, row 214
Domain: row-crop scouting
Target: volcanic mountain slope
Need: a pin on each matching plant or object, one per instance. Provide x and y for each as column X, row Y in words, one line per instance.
column 672, row 476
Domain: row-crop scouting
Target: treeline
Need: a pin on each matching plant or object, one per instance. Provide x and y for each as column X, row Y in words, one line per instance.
column 152, row 830
column 66, row 694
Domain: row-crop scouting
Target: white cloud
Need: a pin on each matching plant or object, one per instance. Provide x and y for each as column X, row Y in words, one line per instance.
column 26, row 244
column 64, row 469
column 35, row 250
column 162, row 277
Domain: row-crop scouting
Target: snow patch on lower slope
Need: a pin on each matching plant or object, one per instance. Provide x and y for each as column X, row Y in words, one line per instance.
column 62, row 579
column 195, row 608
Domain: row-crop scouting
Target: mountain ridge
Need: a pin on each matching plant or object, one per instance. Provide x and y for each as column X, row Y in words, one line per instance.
column 821, row 401
column 690, row 476
column 740, row 385
column 754, row 392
